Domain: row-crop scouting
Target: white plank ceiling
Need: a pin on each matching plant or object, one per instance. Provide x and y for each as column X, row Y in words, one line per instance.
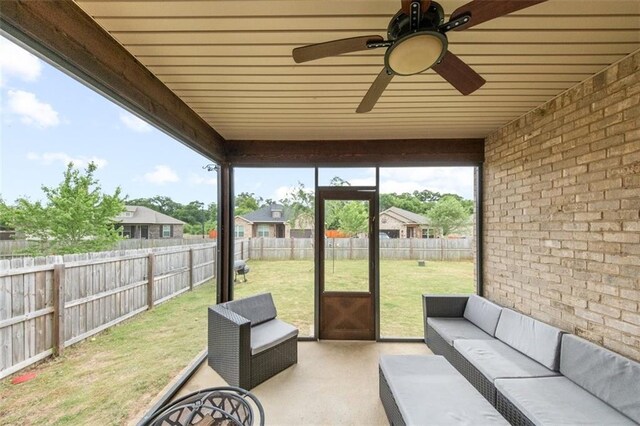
column 230, row 61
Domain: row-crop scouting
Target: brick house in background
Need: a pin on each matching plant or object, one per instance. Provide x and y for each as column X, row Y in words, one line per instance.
column 143, row 222
column 400, row 223
column 270, row 221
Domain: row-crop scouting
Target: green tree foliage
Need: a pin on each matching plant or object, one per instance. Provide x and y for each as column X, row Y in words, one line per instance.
column 353, row 218
column 404, row 201
column 246, row 202
column 449, row 214
column 77, row 216
column 300, row 206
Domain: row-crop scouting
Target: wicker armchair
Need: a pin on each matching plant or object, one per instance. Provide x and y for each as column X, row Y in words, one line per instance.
column 247, row 343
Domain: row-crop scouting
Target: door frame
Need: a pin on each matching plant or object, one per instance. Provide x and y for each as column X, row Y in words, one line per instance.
column 366, row 193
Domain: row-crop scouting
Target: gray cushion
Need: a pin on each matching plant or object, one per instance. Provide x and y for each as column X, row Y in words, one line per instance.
column 451, row 329
column 428, row 390
column 533, row 338
column 607, row 375
column 483, row 313
column 269, row 334
column 257, row 309
column 497, row 360
column 558, row 401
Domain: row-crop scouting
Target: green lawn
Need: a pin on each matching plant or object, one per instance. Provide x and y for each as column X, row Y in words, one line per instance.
column 110, row 378
column 402, row 282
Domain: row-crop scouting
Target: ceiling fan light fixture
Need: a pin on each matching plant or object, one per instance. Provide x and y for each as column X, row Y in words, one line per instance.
column 415, row 52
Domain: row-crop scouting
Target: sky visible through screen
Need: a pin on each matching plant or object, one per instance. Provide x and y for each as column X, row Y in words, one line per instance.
column 49, row 119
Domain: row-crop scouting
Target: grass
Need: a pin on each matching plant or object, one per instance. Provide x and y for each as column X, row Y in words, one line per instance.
column 402, row 282
column 112, row 377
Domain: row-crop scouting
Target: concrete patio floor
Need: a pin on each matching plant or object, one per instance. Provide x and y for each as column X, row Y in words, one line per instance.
column 334, row 382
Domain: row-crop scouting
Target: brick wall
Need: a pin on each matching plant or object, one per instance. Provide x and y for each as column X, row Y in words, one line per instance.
column 562, row 210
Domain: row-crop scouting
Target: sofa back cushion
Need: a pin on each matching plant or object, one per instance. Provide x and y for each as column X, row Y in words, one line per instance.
column 257, row 309
column 605, row 374
column 533, row 338
column 482, row 313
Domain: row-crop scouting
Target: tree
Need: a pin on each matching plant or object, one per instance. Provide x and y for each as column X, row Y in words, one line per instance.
column 299, row 203
column 353, row 218
column 448, row 214
column 246, row 202
column 77, row 216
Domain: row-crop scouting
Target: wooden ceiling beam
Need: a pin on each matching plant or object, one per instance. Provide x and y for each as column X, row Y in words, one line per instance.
column 397, row 152
column 64, row 35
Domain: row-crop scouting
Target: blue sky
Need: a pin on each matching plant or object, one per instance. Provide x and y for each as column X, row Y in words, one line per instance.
column 49, row 119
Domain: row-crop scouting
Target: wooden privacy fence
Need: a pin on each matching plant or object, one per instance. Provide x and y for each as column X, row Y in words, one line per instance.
column 357, row 248
column 49, row 303
column 11, row 247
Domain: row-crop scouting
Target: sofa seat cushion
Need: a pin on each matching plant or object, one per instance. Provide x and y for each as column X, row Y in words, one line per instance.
column 483, row 313
column 606, row 374
column 428, row 390
column 269, row 334
column 558, row 401
column 451, row 329
column 497, row 360
column 533, row 338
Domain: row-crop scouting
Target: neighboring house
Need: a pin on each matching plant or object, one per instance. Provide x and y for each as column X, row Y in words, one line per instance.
column 269, row 221
column 400, row 223
column 143, row 222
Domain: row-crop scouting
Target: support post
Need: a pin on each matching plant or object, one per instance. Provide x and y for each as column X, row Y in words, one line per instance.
column 292, row 248
column 225, row 233
column 150, row 273
column 58, row 310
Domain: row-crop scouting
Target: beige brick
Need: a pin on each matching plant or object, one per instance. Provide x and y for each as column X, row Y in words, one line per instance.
column 562, row 210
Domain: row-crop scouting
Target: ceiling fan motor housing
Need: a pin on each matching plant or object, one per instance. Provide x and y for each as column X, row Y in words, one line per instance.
column 417, row 50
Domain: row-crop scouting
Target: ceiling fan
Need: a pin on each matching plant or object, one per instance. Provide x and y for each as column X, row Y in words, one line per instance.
column 417, row 41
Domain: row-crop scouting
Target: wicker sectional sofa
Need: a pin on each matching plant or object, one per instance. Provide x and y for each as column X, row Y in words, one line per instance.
column 534, row 374
column 247, row 344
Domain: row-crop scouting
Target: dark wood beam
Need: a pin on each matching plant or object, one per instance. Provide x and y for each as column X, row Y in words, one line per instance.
column 64, row 35
column 397, row 152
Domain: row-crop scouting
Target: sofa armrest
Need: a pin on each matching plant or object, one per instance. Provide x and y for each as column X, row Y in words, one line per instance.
column 229, row 345
column 450, row 306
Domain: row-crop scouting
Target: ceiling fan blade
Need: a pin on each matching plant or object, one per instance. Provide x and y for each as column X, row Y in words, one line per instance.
column 459, row 74
column 333, row 48
column 406, row 6
column 485, row 10
column 375, row 91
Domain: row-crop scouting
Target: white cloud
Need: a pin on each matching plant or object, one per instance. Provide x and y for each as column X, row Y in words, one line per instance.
column 17, row 62
column 31, row 110
column 47, row 158
column 161, row 174
column 195, row 179
column 456, row 180
column 134, row 123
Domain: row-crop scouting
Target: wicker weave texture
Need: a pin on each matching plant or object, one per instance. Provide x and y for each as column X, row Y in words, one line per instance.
column 439, row 346
column 444, row 306
column 511, row 412
column 476, row 378
column 268, row 363
column 389, row 402
column 229, row 346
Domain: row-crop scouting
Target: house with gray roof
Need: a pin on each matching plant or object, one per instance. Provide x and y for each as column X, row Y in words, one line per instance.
column 400, row 223
column 270, row 221
column 143, row 222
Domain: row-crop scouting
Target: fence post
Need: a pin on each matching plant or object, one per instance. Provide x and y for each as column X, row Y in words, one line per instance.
column 215, row 260
column 242, row 250
column 410, row 248
column 292, row 248
column 350, row 248
column 191, row 269
column 261, row 248
column 150, row 273
column 58, row 309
